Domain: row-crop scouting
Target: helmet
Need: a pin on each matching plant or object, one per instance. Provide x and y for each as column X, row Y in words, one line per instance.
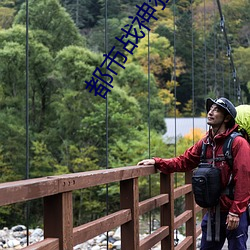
column 223, row 103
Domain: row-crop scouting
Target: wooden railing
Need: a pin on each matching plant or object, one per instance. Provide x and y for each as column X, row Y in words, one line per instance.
column 59, row 232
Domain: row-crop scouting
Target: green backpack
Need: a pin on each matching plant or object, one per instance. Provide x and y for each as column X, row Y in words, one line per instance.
column 243, row 120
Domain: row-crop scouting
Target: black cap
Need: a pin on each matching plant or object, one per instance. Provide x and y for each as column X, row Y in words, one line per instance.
column 223, row 103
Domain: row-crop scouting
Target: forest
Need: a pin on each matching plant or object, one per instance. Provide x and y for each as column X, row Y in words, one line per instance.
column 181, row 60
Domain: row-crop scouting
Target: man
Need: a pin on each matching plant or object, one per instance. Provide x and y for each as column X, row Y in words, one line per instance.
column 221, row 115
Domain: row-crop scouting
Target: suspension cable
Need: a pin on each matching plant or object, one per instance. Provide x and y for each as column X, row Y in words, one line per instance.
column 27, row 207
column 192, row 76
column 107, row 111
column 229, row 53
column 149, row 127
column 222, row 68
column 174, row 75
column 215, row 51
column 175, row 95
column 205, row 51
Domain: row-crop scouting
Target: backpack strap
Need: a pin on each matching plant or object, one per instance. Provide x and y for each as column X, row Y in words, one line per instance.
column 227, row 151
column 227, row 148
column 203, row 152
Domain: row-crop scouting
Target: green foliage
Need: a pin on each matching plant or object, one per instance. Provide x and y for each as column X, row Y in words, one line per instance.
column 6, row 17
column 42, row 162
column 135, row 82
column 242, row 63
column 13, row 148
column 53, row 25
column 84, row 13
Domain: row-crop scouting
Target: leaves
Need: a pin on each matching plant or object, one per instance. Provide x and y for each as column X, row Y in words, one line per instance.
column 53, row 24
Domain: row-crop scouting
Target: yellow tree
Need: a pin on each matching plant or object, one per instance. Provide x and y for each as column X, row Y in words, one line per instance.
column 159, row 59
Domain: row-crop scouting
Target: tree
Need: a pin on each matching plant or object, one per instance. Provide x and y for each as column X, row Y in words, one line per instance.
column 40, row 67
column 84, row 13
column 135, row 82
column 6, row 17
column 242, row 65
column 53, row 25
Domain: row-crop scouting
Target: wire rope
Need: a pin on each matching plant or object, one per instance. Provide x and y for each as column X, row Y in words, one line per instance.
column 205, row 50
column 175, row 95
column 27, row 207
column 192, row 73
column 222, row 68
column 149, row 127
column 215, row 51
column 229, row 84
column 236, row 82
column 107, row 110
column 174, row 73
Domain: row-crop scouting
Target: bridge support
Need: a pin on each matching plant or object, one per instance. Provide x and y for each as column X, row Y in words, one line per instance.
column 190, row 205
column 130, row 199
column 167, row 210
column 58, row 219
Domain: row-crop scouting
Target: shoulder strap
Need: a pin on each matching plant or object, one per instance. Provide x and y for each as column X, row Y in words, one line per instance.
column 203, row 152
column 227, row 148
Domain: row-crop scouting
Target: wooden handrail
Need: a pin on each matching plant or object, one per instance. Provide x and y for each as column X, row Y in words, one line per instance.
column 56, row 191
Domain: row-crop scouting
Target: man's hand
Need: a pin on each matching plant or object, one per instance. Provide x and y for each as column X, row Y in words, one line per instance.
column 232, row 221
column 146, row 162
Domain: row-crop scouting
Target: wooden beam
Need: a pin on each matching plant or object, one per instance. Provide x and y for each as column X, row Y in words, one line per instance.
column 152, row 203
column 24, row 190
column 167, row 210
column 182, row 218
column 185, row 244
column 46, row 244
column 129, row 197
column 90, row 230
column 58, row 219
column 178, row 192
column 99, row 177
column 190, row 205
column 154, row 238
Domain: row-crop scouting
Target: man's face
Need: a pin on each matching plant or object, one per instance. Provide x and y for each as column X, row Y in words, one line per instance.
column 215, row 116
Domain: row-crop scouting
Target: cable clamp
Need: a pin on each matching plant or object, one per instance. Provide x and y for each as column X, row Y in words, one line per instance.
column 222, row 24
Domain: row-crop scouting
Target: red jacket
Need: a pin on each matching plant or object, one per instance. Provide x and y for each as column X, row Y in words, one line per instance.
column 241, row 167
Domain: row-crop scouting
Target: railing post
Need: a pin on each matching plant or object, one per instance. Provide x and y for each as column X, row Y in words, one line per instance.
column 58, row 219
column 129, row 198
column 167, row 210
column 190, row 205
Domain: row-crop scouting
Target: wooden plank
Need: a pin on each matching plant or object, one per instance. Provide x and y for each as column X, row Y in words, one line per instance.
column 198, row 209
column 90, row 230
column 154, row 238
column 24, row 190
column 190, row 205
column 198, row 231
column 129, row 196
column 46, row 244
column 152, row 203
column 185, row 244
column 58, row 219
column 182, row 218
column 99, row 177
column 167, row 210
column 178, row 192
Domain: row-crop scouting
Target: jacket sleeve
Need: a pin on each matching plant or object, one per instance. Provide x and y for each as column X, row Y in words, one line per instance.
column 185, row 162
column 241, row 175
